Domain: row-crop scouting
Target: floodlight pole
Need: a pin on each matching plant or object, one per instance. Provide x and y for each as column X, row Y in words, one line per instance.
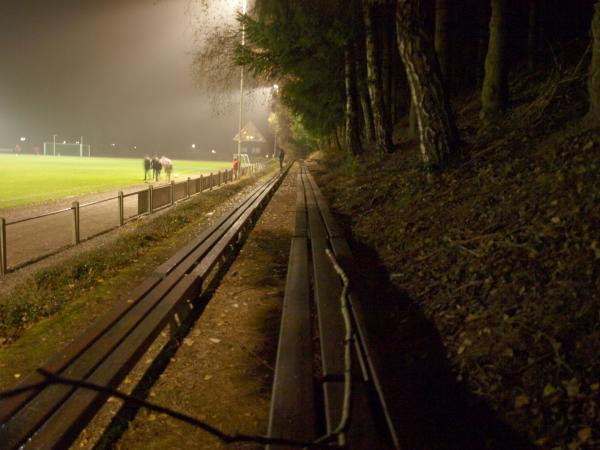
column 244, row 7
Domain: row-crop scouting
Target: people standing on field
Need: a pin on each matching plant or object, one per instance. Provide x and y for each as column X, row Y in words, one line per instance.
column 166, row 164
column 147, row 166
column 156, row 168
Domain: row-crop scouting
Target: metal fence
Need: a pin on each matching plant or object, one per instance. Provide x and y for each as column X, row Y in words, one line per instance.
column 28, row 240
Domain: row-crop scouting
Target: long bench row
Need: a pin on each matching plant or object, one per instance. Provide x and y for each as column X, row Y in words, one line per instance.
column 104, row 354
column 309, row 385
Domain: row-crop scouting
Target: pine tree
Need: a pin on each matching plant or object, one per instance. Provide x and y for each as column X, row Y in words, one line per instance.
column 301, row 42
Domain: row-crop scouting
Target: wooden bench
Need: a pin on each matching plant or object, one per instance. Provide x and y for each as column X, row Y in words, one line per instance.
column 308, row 390
column 106, row 352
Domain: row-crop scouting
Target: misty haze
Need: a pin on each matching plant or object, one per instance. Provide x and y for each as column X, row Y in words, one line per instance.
column 115, row 72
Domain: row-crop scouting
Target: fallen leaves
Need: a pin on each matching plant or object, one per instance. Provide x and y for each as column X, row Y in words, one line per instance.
column 584, row 435
column 512, row 239
column 572, row 387
column 521, row 401
column 549, row 390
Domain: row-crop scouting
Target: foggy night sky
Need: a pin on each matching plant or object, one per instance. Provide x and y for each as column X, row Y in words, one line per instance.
column 113, row 71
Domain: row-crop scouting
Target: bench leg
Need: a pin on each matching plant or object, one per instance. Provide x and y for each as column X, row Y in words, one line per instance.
column 174, row 325
column 223, row 259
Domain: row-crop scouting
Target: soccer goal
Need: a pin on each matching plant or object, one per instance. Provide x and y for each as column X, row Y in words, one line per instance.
column 66, row 149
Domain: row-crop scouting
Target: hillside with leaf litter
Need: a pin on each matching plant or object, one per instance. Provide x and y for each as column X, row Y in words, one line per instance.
column 502, row 252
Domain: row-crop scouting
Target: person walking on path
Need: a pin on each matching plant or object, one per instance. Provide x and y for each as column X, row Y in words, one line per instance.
column 281, row 156
column 147, row 165
column 236, row 166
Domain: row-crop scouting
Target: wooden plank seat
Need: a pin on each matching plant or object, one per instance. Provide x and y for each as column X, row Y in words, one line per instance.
column 107, row 351
column 308, row 391
column 293, row 414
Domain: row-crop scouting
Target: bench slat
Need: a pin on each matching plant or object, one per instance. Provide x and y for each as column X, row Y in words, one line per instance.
column 182, row 253
column 58, row 362
column 333, row 229
column 64, row 425
column 327, row 290
column 364, row 433
column 292, row 403
column 300, row 228
column 230, row 236
column 344, row 256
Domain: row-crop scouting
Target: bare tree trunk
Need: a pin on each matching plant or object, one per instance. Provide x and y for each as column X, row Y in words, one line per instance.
column 383, row 133
column 352, row 126
column 594, row 75
column 532, row 45
column 363, row 91
column 442, row 37
column 413, row 126
column 437, row 131
column 368, row 127
column 494, row 93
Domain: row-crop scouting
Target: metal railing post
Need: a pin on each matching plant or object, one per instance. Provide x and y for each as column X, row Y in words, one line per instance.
column 121, row 209
column 219, row 178
column 150, row 200
column 211, row 181
column 3, row 268
column 201, row 183
column 188, row 187
column 172, row 192
column 76, row 235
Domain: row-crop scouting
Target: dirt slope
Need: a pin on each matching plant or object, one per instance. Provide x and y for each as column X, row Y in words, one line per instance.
column 502, row 254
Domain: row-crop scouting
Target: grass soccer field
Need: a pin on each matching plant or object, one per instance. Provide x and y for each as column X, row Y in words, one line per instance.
column 29, row 179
